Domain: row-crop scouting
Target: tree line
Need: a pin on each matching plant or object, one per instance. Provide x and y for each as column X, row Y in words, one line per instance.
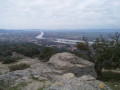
column 27, row 49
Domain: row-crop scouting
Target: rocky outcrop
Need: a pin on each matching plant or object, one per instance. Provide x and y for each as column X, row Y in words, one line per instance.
column 72, row 64
column 70, row 82
column 64, row 71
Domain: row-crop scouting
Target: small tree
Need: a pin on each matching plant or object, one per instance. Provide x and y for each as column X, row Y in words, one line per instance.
column 91, row 56
column 85, row 47
column 102, row 51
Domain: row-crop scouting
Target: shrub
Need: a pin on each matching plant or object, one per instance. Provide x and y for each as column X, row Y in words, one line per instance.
column 6, row 53
column 27, row 51
column 8, row 60
column 2, row 58
column 21, row 66
column 112, row 65
column 45, row 54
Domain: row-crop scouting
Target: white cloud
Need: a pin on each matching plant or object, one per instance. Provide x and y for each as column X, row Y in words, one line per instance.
column 59, row 14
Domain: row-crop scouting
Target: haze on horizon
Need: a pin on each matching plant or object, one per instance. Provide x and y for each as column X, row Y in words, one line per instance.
column 59, row 14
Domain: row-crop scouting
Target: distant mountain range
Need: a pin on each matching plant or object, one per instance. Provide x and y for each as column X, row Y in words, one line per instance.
column 62, row 30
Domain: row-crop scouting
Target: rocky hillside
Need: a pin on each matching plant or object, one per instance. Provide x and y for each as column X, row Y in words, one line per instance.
column 64, row 71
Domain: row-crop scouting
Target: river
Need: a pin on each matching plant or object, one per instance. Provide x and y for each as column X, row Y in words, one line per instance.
column 40, row 36
column 65, row 41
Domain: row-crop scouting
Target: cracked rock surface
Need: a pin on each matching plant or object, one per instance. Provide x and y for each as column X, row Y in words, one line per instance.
column 64, row 71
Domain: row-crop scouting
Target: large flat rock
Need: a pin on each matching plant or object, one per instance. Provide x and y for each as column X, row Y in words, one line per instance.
column 71, row 63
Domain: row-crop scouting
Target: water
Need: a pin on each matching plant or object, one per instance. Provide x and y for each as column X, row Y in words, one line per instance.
column 40, row 36
column 67, row 41
column 64, row 41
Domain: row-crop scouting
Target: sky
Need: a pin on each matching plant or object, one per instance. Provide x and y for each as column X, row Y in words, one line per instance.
column 59, row 14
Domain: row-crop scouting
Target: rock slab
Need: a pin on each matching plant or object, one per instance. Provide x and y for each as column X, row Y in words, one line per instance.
column 64, row 71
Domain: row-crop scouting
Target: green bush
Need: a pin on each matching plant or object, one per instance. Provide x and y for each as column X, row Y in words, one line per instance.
column 45, row 54
column 2, row 58
column 30, row 52
column 21, row 66
column 8, row 60
column 112, row 65
column 26, row 49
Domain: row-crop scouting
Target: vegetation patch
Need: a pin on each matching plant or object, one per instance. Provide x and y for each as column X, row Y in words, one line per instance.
column 18, row 87
column 112, row 79
column 103, row 52
column 21, row 66
column 46, row 54
column 27, row 49
column 9, row 59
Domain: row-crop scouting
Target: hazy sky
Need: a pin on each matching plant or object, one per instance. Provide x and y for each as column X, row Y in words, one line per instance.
column 59, row 14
